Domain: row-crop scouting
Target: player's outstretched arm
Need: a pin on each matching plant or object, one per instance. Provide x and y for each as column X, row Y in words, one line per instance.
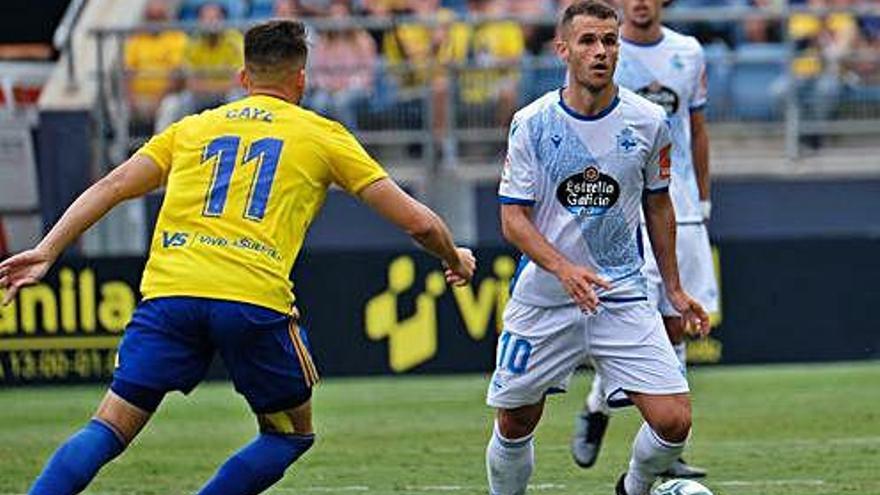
column 423, row 225
column 660, row 220
column 135, row 177
column 579, row 281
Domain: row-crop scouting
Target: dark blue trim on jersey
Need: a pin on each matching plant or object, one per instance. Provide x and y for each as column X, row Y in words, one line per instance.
column 659, row 190
column 698, row 108
column 507, row 200
column 523, row 261
column 644, row 45
column 691, row 224
column 639, row 243
column 588, row 118
column 623, row 299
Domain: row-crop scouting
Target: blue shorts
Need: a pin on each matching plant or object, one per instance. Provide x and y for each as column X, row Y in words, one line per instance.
column 170, row 342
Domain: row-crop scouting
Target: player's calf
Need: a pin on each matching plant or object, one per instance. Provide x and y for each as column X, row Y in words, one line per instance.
column 77, row 461
column 284, row 437
column 510, row 455
column 660, row 440
column 73, row 466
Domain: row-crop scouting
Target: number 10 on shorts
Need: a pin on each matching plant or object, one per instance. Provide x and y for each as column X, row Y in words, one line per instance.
column 513, row 353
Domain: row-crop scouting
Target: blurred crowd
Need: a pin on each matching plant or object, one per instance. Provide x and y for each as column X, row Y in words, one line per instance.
column 429, row 46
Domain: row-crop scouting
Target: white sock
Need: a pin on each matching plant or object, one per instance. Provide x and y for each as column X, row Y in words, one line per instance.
column 509, row 463
column 596, row 399
column 681, row 353
column 651, row 456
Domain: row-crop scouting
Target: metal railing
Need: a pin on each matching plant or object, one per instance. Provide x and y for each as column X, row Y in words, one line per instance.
column 752, row 88
column 62, row 40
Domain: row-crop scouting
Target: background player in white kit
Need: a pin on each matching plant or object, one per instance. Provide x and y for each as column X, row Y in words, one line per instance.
column 582, row 163
column 669, row 69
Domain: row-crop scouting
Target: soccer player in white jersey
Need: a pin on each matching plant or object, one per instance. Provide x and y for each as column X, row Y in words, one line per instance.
column 583, row 162
column 667, row 68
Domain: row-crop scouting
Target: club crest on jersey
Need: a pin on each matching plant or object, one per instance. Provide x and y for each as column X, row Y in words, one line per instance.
column 626, row 142
column 661, row 95
column 589, row 192
column 676, row 62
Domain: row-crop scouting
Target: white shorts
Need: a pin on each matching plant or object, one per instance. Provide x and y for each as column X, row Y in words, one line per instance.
column 696, row 269
column 541, row 347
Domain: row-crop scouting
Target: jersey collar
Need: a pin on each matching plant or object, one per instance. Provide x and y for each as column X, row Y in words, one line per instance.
column 644, row 45
column 589, row 118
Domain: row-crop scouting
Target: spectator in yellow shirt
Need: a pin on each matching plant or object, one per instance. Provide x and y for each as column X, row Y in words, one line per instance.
column 417, row 54
column 821, row 38
column 491, row 51
column 414, row 50
column 212, row 57
column 150, row 59
column 486, row 58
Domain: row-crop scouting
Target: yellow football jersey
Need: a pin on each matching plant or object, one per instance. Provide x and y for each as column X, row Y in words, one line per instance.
column 243, row 183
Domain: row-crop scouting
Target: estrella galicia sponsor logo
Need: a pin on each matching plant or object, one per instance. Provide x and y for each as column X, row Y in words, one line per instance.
column 590, row 192
column 174, row 239
column 661, row 95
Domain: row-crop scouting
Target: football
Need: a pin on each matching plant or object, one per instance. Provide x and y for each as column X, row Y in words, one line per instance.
column 681, row 487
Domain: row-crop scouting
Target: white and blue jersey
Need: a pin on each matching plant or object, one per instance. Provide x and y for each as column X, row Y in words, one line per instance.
column 671, row 73
column 585, row 177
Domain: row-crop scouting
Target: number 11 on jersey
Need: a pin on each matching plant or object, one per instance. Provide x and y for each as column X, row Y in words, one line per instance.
column 221, row 152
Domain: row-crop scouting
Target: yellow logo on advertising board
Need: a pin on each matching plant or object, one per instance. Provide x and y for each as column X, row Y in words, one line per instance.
column 413, row 340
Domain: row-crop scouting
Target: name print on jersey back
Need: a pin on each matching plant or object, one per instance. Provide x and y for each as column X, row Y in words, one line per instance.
column 250, row 113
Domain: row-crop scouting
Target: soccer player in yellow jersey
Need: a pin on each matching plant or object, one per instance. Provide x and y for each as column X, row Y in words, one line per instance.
column 243, row 183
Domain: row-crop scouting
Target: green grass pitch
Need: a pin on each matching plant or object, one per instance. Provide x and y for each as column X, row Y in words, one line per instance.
column 768, row 430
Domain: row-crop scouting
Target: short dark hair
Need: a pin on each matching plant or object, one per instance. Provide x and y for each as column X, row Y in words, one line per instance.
column 589, row 8
column 275, row 47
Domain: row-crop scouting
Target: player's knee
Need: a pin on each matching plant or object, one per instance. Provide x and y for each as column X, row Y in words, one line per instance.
column 127, row 408
column 518, row 423
column 296, row 421
column 675, row 424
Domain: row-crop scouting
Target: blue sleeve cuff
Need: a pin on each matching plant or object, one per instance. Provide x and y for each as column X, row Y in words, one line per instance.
column 659, row 190
column 698, row 108
column 507, row 200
